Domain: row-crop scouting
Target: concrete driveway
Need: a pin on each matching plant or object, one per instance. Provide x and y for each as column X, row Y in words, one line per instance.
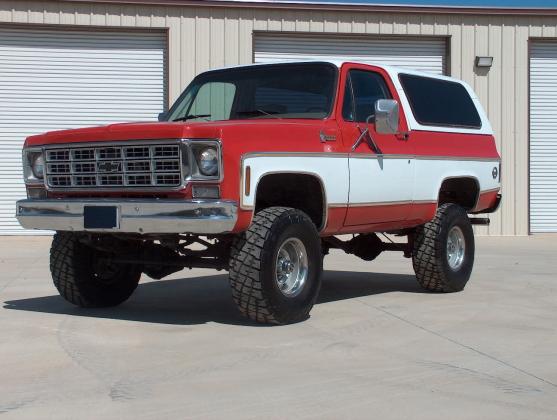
column 375, row 346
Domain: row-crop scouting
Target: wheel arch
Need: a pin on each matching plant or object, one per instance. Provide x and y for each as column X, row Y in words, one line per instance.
column 447, row 192
column 264, row 177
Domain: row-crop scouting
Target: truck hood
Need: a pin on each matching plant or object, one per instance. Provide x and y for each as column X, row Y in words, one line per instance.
column 244, row 130
column 126, row 131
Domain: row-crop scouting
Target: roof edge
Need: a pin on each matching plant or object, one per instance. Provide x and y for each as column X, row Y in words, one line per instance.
column 299, row 5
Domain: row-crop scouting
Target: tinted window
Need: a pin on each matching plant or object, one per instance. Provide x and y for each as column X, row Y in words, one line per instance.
column 282, row 100
column 440, row 102
column 214, row 100
column 270, row 91
column 367, row 88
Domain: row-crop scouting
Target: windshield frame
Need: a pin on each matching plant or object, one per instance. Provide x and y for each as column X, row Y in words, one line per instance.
column 191, row 85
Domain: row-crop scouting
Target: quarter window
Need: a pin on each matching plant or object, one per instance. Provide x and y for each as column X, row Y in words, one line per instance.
column 440, row 102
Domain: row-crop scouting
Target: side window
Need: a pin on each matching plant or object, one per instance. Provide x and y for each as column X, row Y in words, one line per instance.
column 440, row 102
column 367, row 88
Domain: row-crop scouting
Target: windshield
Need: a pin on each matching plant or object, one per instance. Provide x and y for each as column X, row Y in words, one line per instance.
column 271, row 91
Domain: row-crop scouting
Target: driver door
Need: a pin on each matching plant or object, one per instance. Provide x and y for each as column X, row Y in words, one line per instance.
column 381, row 168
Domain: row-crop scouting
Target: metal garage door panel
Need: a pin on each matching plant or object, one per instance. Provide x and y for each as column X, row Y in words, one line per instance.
column 425, row 54
column 543, row 137
column 55, row 79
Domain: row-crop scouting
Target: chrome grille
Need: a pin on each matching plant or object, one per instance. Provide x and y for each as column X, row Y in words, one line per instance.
column 113, row 166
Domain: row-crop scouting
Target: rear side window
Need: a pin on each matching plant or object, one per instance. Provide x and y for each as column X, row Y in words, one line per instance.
column 440, row 102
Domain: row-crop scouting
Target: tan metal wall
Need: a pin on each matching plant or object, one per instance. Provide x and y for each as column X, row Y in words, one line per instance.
column 203, row 38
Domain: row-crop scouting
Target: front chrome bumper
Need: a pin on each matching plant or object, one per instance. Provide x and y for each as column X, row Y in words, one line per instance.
column 134, row 216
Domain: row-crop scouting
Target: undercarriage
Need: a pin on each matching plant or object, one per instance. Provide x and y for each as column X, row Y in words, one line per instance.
column 274, row 267
column 161, row 256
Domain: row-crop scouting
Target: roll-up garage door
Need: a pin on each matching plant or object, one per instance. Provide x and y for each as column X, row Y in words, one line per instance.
column 425, row 54
column 543, row 137
column 59, row 79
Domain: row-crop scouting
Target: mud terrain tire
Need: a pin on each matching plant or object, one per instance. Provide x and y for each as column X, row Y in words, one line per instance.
column 256, row 274
column 76, row 274
column 438, row 264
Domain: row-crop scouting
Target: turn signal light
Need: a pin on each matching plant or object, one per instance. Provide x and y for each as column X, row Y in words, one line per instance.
column 202, row 191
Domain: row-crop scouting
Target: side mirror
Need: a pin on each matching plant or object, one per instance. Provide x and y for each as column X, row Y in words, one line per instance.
column 162, row 116
column 386, row 116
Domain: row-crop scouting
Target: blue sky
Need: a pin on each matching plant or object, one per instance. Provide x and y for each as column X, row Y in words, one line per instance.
column 485, row 3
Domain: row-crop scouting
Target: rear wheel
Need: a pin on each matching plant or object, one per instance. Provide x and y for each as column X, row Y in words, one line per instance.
column 443, row 254
column 275, row 267
column 85, row 277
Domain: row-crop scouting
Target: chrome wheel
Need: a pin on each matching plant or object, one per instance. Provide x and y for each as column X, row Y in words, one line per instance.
column 456, row 246
column 291, row 267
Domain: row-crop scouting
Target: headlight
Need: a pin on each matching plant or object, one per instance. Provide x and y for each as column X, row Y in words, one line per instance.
column 33, row 165
column 37, row 166
column 208, row 161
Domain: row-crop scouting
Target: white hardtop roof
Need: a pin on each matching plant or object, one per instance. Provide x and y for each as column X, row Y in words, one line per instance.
column 393, row 72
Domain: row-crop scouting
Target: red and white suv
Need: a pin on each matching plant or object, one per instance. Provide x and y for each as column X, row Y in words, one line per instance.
column 265, row 166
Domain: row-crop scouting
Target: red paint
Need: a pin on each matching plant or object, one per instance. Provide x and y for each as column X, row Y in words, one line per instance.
column 426, row 143
column 361, row 215
column 335, row 220
column 298, row 136
column 486, row 200
column 396, row 215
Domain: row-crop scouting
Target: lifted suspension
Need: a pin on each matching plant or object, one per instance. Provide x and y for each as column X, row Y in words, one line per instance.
column 160, row 257
column 368, row 246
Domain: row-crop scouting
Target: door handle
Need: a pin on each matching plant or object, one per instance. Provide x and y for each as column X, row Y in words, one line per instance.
column 404, row 136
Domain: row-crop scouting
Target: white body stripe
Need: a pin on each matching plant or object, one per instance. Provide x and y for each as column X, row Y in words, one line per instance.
column 332, row 171
column 429, row 175
column 380, row 180
column 370, row 180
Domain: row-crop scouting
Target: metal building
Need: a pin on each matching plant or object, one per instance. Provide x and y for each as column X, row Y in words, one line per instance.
column 86, row 62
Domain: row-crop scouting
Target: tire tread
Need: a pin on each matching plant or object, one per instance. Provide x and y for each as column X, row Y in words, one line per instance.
column 247, row 251
column 72, row 275
column 426, row 257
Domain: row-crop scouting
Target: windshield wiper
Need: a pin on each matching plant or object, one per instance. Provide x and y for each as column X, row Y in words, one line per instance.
column 259, row 112
column 192, row 116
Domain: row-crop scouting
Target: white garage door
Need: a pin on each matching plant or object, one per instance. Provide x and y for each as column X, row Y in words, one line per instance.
column 58, row 79
column 543, row 137
column 425, row 54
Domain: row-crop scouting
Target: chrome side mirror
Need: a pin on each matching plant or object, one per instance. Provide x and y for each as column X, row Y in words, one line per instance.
column 386, row 116
column 162, row 116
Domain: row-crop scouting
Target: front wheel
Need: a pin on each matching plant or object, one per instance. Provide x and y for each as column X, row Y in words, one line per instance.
column 84, row 277
column 275, row 267
column 443, row 254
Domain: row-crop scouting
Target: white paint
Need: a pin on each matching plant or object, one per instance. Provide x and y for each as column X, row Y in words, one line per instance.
column 331, row 170
column 60, row 79
column 380, row 180
column 430, row 174
column 485, row 128
column 373, row 180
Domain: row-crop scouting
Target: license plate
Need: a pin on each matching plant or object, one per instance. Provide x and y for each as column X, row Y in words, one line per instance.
column 100, row 217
